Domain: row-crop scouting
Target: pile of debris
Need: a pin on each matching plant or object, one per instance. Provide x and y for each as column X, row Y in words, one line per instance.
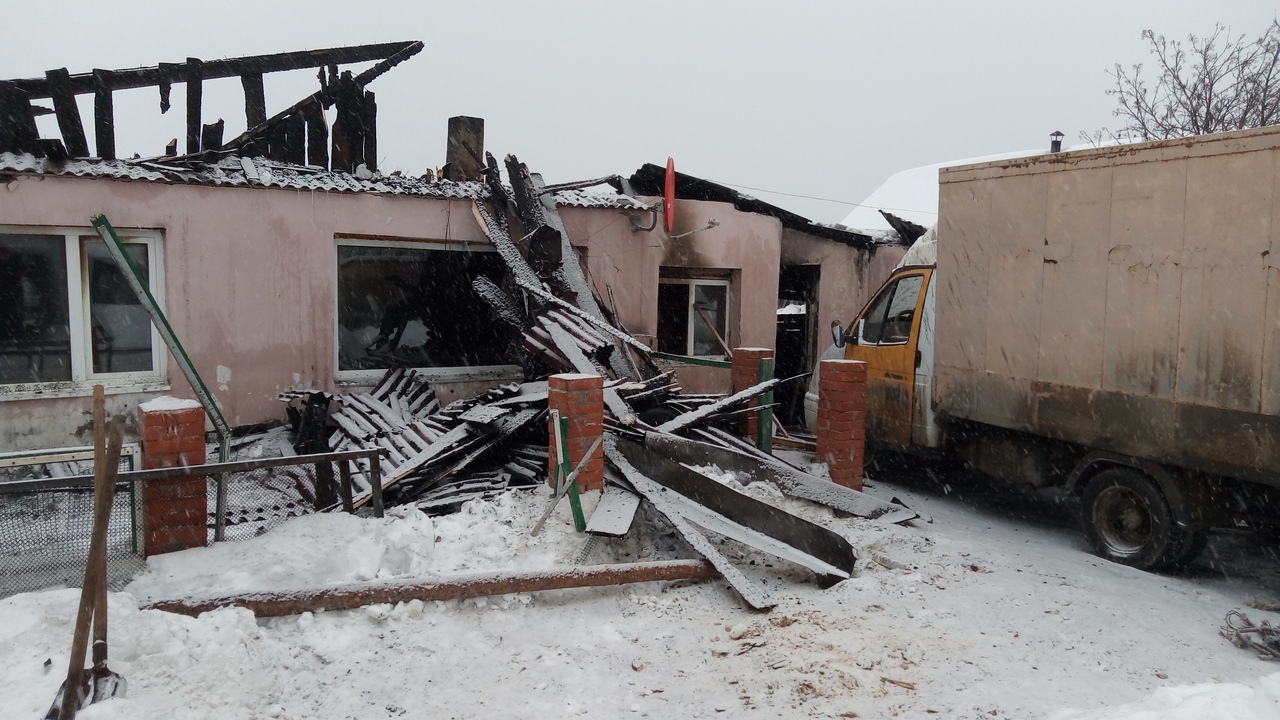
column 656, row 438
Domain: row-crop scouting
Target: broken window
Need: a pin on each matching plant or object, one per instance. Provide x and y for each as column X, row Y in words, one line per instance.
column 693, row 316
column 889, row 317
column 411, row 304
column 67, row 313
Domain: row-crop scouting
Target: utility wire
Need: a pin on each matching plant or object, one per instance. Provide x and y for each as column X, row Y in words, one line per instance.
column 838, row 202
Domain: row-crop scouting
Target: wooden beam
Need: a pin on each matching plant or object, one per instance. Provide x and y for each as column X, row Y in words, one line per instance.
column 464, row 150
column 68, row 112
column 317, row 135
column 104, row 128
column 18, row 132
column 370, row 132
column 349, row 597
column 195, row 92
column 348, row 126
column 211, row 135
column 255, row 99
column 82, row 83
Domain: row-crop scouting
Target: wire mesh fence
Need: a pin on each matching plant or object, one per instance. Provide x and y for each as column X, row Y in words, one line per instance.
column 46, row 510
column 44, row 535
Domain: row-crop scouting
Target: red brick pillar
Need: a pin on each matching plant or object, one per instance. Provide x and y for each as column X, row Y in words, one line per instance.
column 842, row 419
column 580, row 398
column 174, row 512
column 745, row 374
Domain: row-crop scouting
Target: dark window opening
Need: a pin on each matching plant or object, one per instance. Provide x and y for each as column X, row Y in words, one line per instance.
column 693, row 317
column 120, row 326
column 415, row 307
column 35, row 332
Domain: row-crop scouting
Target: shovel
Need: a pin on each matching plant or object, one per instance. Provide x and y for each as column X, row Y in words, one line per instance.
column 100, row 683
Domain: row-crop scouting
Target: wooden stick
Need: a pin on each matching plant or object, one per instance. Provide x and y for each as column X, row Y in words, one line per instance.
column 347, row 597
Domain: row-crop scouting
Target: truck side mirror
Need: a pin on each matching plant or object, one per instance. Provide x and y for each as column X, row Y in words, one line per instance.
column 837, row 333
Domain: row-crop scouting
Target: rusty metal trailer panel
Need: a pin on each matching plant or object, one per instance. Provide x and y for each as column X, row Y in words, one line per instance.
column 1125, row 298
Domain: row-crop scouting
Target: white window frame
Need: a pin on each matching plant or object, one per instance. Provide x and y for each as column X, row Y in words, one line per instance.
column 83, row 378
column 691, row 317
column 462, row 373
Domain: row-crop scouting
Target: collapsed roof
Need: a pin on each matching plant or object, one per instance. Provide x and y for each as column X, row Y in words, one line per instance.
column 649, row 179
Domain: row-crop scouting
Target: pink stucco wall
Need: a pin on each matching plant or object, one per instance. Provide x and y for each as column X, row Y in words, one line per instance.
column 250, row 279
column 748, row 245
column 849, row 276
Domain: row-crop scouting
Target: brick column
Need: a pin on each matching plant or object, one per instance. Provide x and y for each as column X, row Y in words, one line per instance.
column 842, row 419
column 174, row 513
column 745, row 374
column 580, row 398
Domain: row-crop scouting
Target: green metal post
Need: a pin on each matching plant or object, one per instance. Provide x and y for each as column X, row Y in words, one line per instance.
column 764, row 418
column 566, row 467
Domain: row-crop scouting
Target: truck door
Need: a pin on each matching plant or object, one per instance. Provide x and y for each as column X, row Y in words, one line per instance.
column 885, row 337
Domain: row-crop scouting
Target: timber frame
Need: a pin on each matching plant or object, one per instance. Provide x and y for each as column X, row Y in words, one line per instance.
column 298, row 134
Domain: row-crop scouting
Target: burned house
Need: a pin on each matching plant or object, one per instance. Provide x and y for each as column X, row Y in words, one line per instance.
column 284, row 258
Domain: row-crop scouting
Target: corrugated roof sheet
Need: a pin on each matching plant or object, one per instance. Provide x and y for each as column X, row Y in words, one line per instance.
column 260, row 172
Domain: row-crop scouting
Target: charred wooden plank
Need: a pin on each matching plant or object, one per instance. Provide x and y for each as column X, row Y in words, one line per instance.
column 249, row 65
column 18, row 132
column 68, row 112
column 211, row 135
column 317, row 135
column 370, row 120
column 255, row 99
column 104, row 129
column 465, row 149
column 195, row 94
column 756, row 597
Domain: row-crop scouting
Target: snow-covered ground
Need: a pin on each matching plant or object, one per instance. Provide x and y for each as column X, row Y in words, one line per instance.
column 973, row 616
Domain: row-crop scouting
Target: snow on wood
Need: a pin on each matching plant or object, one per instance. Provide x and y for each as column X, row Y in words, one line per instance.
column 685, row 420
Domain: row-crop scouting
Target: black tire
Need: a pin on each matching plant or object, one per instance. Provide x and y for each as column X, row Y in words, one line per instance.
column 1129, row 520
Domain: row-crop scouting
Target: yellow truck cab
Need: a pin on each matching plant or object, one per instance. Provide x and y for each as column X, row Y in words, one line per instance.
column 893, row 334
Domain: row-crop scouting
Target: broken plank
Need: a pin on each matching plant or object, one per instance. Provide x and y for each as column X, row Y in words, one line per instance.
column 567, row 347
column 614, row 513
column 68, row 112
column 684, row 420
column 789, row 479
column 104, row 129
column 758, row 598
column 717, row 507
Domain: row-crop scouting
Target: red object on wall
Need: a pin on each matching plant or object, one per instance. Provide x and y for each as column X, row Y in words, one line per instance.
column 669, row 197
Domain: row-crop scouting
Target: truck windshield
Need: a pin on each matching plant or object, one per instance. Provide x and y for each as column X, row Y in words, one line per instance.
column 888, row 319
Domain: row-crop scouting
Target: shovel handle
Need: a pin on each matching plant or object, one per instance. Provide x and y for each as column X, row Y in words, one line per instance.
column 84, row 616
column 111, row 466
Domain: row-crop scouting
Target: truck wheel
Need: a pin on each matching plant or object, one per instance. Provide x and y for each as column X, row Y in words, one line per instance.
column 1130, row 521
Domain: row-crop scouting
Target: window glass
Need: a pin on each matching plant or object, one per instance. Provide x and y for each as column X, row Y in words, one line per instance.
column 410, row 307
column 902, row 310
column 673, row 318
column 35, row 334
column 711, row 311
column 119, row 325
column 888, row 319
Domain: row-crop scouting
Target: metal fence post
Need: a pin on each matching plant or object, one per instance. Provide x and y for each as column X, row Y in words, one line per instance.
column 344, row 485
column 375, row 481
column 764, row 419
column 220, row 494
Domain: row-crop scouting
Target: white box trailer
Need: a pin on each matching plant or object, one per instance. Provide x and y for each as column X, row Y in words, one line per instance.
column 1106, row 321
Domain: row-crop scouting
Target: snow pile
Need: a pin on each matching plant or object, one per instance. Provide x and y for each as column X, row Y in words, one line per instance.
column 976, row 616
column 1256, row 700
column 310, row 551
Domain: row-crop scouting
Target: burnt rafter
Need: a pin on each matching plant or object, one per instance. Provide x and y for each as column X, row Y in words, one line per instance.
column 283, row 135
column 82, row 83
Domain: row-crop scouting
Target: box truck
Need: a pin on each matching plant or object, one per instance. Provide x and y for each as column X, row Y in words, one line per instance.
column 1105, row 322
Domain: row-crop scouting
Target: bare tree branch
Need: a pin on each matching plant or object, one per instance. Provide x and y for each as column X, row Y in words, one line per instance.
column 1213, row 84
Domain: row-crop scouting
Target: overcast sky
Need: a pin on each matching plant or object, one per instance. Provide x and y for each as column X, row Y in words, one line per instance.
column 820, row 99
